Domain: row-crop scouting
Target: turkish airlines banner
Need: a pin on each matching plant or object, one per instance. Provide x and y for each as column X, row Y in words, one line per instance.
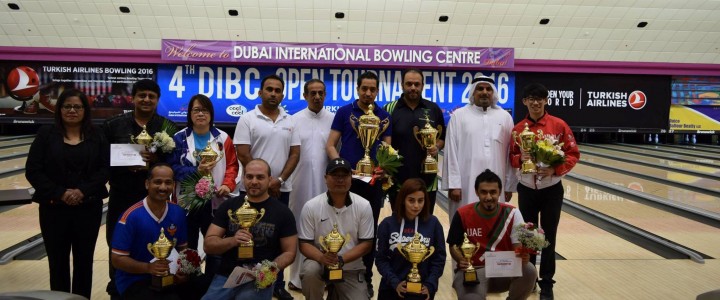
column 602, row 103
column 323, row 55
column 29, row 89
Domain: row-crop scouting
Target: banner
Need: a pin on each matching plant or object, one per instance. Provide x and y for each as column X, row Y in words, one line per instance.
column 29, row 90
column 344, row 55
column 234, row 89
column 603, row 103
column 694, row 119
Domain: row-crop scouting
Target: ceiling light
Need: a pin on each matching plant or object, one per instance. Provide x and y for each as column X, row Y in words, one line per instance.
column 544, row 21
column 233, row 12
column 124, row 9
column 13, row 6
column 642, row 24
column 443, row 19
column 339, row 15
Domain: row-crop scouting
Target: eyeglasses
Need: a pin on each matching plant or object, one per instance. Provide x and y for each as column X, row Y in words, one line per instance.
column 75, row 107
column 200, row 110
column 535, row 99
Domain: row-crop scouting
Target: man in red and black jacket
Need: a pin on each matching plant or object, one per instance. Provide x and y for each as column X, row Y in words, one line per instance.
column 541, row 194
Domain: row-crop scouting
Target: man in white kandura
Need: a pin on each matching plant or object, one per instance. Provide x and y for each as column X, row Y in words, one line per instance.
column 478, row 138
column 312, row 125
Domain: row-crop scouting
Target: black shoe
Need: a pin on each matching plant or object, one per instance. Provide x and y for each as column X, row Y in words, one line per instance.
column 282, row 294
column 370, row 290
column 546, row 293
column 292, row 287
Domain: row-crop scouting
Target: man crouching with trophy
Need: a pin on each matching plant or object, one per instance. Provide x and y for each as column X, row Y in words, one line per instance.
column 336, row 231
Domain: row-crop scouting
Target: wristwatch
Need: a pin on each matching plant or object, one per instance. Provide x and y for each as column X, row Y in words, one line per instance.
column 282, row 181
column 341, row 262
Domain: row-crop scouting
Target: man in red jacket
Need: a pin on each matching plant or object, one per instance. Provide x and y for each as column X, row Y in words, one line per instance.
column 542, row 193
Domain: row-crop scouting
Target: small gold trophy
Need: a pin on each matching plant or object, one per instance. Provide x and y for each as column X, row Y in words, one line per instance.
column 246, row 216
column 332, row 243
column 415, row 252
column 525, row 142
column 468, row 250
column 161, row 250
column 368, row 130
column 208, row 154
column 428, row 137
column 143, row 138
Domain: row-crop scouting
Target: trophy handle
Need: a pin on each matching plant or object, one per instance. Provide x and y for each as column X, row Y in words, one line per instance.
column 400, row 249
column 430, row 252
column 477, row 248
column 321, row 241
column 439, row 129
column 232, row 217
column 260, row 214
column 383, row 126
column 150, row 248
column 353, row 123
column 415, row 134
column 221, row 151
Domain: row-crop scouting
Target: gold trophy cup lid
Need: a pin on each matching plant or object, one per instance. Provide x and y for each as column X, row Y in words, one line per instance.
column 415, row 249
column 526, row 133
column 467, row 248
column 369, row 117
column 162, row 247
column 208, row 154
column 246, row 214
column 334, row 240
column 144, row 138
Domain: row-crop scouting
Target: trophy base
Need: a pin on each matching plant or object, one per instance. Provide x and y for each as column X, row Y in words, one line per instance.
column 245, row 252
column 414, row 287
column 414, row 296
column 364, row 168
column 333, row 275
column 160, row 283
column 470, row 278
column 430, row 167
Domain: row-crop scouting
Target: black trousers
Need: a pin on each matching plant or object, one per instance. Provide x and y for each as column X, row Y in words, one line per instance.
column 70, row 228
column 375, row 195
column 547, row 204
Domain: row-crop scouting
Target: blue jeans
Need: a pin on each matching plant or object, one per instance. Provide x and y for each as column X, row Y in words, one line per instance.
column 245, row 291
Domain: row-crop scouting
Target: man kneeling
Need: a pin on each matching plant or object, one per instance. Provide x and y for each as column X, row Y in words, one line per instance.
column 336, row 213
column 489, row 224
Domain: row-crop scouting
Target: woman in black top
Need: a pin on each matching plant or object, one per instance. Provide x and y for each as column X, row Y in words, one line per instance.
column 68, row 167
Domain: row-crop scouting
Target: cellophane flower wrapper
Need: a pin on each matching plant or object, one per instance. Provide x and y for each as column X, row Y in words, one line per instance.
column 195, row 190
column 189, row 263
column 265, row 273
column 388, row 160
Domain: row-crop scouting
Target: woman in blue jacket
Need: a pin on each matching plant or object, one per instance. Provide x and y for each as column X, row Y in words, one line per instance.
column 412, row 214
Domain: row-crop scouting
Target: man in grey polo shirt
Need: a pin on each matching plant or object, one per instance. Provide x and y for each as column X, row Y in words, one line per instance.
column 353, row 216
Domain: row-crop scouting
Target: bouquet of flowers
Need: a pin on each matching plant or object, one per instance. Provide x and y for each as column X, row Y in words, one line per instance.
column 195, row 190
column 388, row 160
column 162, row 140
column 531, row 238
column 188, row 263
column 547, row 150
column 265, row 274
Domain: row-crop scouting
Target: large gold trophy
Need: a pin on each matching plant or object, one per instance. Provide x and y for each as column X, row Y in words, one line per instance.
column 161, row 250
column 368, row 127
column 415, row 252
column 468, row 250
column 428, row 138
column 143, row 138
column 525, row 141
column 332, row 243
column 246, row 216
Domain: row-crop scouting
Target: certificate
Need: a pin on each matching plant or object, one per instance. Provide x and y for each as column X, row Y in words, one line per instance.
column 124, row 155
column 238, row 277
column 502, row 264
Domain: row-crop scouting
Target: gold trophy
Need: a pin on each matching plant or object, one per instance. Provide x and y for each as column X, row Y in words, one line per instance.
column 246, row 216
column 161, row 250
column 208, row 155
column 525, row 142
column 468, row 250
column 368, row 130
column 332, row 243
column 415, row 252
column 428, row 137
column 143, row 138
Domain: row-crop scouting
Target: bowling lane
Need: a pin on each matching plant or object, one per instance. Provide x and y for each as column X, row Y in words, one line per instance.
column 692, row 234
column 18, row 224
column 10, row 143
column 669, row 175
column 14, row 150
column 11, row 164
column 14, row 182
column 682, row 196
column 656, row 161
column 696, row 147
column 670, row 156
column 684, row 152
column 578, row 239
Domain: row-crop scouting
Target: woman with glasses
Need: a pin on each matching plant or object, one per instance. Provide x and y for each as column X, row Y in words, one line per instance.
column 68, row 167
column 186, row 163
column 411, row 216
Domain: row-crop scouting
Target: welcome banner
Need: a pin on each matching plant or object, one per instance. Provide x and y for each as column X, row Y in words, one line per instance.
column 294, row 54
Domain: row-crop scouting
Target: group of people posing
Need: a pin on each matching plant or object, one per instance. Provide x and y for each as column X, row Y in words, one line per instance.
column 300, row 171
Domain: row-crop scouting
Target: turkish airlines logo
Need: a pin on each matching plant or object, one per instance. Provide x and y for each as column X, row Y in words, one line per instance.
column 22, row 82
column 637, row 100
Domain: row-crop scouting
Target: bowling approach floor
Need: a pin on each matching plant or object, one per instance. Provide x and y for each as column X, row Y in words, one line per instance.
column 593, row 264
